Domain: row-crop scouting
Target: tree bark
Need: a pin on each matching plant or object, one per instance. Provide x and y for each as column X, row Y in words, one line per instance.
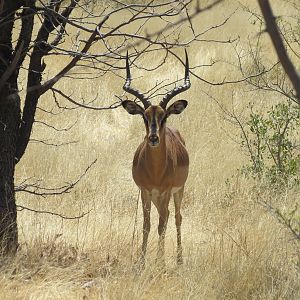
column 9, row 125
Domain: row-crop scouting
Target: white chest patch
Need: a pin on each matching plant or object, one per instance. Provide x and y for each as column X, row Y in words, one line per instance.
column 175, row 189
column 156, row 196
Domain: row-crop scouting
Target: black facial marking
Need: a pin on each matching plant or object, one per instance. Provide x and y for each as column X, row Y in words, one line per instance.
column 163, row 120
column 153, row 123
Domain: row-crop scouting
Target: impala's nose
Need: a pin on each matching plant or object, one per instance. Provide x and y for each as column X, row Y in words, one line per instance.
column 153, row 139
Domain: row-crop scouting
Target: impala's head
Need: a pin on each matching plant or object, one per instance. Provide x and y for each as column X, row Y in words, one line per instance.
column 155, row 116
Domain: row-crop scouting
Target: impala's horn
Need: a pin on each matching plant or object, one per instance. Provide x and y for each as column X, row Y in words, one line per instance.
column 131, row 90
column 186, row 85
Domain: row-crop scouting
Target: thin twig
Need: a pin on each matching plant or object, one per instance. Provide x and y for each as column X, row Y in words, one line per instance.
column 21, row 208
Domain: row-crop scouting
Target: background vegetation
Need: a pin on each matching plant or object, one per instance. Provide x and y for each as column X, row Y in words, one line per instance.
column 233, row 247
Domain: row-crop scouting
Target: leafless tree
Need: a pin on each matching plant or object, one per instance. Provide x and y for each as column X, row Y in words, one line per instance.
column 33, row 30
column 277, row 40
column 277, row 76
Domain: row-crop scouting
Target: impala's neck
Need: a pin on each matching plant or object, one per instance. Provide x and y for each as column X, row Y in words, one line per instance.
column 156, row 156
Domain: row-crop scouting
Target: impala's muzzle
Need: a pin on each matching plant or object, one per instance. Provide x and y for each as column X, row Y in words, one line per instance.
column 153, row 136
column 153, row 140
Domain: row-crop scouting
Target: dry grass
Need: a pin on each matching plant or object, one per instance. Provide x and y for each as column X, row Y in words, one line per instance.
column 233, row 249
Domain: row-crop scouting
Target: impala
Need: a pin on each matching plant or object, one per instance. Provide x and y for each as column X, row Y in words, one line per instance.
column 161, row 162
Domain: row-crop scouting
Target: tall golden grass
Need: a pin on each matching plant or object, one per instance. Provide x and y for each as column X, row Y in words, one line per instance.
column 233, row 248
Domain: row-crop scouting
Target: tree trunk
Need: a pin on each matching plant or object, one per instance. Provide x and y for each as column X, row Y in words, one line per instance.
column 9, row 122
column 9, row 126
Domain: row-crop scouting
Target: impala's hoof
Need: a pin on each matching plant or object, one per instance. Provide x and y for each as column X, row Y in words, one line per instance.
column 179, row 261
column 139, row 266
column 160, row 264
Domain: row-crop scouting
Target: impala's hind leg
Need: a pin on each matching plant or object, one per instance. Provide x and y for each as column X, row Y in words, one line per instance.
column 178, row 219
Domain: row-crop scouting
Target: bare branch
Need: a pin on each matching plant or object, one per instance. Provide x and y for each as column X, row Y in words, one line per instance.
column 112, row 106
column 38, row 190
column 12, row 67
column 36, row 67
column 53, row 144
column 25, row 36
column 286, row 221
column 50, row 83
column 21, row 208
column 272, row 29
column 55, row 128
column 224, row 81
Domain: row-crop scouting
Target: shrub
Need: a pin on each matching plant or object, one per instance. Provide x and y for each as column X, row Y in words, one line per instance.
column 272, row 142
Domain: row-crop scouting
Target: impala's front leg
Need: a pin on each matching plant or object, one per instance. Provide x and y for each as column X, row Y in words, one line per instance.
column 178, row 219
column 146, row 201
column 162, row 227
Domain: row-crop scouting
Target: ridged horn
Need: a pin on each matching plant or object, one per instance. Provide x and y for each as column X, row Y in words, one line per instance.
column 186, row 85
column 131, row 90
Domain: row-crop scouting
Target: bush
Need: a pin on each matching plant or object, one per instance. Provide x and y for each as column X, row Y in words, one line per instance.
column 273, row 144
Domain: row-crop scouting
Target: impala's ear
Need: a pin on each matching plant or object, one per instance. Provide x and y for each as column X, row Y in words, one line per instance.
column 177, row 107
column 132, row 107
